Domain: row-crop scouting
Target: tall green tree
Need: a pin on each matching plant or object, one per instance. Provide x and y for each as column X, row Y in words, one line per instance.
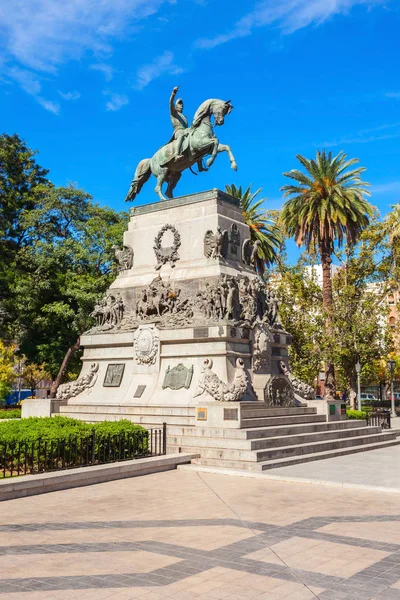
column 300, row 313
column 261, row 222
column 20, row 179
column 326, row 206
column 62, row 273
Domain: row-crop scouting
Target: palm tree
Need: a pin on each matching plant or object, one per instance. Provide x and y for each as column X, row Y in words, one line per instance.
column 326, row 206
column 262, row 226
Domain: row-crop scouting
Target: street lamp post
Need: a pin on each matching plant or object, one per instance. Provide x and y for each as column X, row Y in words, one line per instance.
column 391, row 365
column 358, row 371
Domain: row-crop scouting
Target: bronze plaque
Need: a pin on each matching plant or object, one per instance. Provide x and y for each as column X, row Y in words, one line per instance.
column 114, row 375
column 178, row 377
column 231, row 414
column 201, row 414
column 200, row 332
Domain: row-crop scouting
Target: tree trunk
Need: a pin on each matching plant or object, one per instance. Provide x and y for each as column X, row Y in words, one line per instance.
column 63, row 368
column 327, row 302
column 353, row 392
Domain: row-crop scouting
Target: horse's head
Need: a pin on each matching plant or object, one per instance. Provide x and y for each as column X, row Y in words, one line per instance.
column 219, row 109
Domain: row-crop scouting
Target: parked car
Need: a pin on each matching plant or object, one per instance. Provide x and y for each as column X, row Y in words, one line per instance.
column 368, row 398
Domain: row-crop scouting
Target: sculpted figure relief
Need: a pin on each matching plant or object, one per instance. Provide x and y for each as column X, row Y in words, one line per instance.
column 124, row 258
column 222, row 392
column 235, row 300
column 188, row 146
column 109, row 311
column 215, row 245
column 250, row 255
column 73, row 388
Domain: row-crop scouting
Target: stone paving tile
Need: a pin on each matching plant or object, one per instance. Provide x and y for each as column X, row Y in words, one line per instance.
column 205, row 536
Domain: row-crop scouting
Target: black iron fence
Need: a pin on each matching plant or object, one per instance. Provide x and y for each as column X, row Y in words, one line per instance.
column 379, row 419
column 40, row 456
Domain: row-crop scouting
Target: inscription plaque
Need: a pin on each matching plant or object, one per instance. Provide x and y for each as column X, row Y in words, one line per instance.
column 113, row 376
column 178, row 377
column 201, row 414
column 139, row 391
column 200, row 332
column 231, row 414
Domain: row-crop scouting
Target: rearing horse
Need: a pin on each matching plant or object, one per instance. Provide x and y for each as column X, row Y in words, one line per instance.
column 199, row 142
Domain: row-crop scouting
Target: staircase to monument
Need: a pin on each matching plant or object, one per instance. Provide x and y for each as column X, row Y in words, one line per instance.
column 271, row 438
column 268, row 437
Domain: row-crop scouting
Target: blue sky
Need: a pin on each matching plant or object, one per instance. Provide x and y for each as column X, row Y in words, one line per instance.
column 87, row 83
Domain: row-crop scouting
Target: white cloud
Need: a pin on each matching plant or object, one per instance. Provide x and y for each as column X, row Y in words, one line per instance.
column 37, row 37
column 32, row 86
column 70, row 95
column 391, row 187
column 161, row 65
column 44, row 34
column 104, row 68
column 361, row 138
column 116, row 101
column 288, row 16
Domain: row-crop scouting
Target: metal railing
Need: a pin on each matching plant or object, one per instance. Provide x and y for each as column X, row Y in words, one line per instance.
column 379, row 419
column 41, row 456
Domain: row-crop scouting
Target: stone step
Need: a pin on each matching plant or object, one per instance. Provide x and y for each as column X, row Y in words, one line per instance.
column 182, row 441
column 145, row 420
column 283, row 451
column 260, row 409
column 287, row 420
column 265, row 432
column 293, row 460
column 129, row 409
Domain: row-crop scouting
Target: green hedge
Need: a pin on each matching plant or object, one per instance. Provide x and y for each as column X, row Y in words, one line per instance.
column 10, row 414
column 60, row 428
column 356, row 414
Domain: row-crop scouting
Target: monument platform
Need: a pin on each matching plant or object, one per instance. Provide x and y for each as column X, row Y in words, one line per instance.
column 188, row 334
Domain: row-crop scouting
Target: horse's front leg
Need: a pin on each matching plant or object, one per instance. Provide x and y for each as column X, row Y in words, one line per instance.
column 226, row 148
column 210, row 161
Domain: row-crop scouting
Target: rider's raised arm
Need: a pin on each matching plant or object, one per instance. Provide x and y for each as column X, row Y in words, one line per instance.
column 172, row 108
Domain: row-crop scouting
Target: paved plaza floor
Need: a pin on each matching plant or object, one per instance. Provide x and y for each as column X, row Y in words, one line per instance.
column 183, row 535
column 376, row 469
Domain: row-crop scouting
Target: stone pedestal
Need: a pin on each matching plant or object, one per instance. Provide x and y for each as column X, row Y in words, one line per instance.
column 334, row 410
column 187, row 320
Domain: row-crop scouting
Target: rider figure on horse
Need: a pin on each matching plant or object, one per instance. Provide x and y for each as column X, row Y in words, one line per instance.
column 179, row 122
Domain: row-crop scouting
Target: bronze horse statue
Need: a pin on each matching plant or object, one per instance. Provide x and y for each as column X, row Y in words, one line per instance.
column 200, row 141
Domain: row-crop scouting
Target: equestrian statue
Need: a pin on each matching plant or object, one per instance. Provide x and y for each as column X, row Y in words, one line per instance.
column 187, row 146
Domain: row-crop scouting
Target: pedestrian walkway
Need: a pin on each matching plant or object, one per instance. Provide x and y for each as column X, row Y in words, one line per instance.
column 186, row 535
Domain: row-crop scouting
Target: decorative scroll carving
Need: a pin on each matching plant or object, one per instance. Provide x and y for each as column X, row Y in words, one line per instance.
column 84, row 382
column 215, row 245
column 114, row 374
column 302, row 389
column 178, row 377
column 222, row 392
column 279, row 392
column 167, row 254
column 234, row 239
column 124, row 258
column 146, row 346
column 109, row 312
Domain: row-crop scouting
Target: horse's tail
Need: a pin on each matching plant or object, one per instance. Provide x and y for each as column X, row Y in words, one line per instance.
column 142, row 174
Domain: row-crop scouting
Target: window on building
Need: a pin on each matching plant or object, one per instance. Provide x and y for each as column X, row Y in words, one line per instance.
column 391, row 299
column 392, row 321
